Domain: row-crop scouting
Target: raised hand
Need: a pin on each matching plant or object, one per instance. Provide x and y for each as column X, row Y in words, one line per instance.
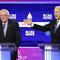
column 28, row 22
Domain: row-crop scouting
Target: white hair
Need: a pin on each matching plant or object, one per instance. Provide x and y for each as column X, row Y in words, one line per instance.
column 57, row 7
column 5, row 10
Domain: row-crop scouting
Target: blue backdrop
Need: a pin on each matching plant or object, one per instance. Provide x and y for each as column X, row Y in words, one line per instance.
column 37, row 11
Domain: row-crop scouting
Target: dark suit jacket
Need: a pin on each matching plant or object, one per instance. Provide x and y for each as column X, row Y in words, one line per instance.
column 50, row 27
column 12, row 35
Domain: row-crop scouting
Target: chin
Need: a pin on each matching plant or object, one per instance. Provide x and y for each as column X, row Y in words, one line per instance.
column 56, row 18
column 3, row 21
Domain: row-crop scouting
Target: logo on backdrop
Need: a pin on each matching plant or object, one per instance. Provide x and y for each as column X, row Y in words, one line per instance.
column 47, row 16
column 12, row 16
column 29, row 33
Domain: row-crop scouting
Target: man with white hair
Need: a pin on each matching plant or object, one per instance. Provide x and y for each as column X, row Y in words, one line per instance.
column 53, row 26
column 9, row 31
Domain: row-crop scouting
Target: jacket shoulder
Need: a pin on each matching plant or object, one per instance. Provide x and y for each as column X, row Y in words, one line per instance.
column 13, row 21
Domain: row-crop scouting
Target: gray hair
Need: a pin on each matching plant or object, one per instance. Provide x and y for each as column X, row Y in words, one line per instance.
column 57, row 7
column 5, row 10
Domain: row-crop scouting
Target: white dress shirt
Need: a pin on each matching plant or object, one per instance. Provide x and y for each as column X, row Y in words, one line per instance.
column 5, row 25
column 57, row 25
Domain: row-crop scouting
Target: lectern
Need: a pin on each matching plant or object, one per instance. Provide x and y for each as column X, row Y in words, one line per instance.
column 51, row 51
column 6, row 50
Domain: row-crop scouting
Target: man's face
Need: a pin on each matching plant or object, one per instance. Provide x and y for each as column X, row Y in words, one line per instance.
column 4, row 17
column 57, row 13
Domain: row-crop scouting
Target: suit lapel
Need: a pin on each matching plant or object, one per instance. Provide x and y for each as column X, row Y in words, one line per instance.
column 53, row 25
column 8, row 27
column 58, row 26
column 58, row 29
column 1, row 28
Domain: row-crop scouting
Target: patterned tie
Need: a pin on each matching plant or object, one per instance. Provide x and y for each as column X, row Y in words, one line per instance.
column 4, row 29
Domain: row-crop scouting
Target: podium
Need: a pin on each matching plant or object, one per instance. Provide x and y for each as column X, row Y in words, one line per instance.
column 51, row 51
column 5, row 50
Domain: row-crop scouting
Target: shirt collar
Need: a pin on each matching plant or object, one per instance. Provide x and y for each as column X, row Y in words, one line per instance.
column 5, row 23
column 58, row 21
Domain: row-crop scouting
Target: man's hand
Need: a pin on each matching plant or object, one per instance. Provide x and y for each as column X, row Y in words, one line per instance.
column 28, row 22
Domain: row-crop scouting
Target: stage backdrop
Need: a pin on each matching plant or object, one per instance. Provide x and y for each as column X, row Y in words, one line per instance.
column 39, row 13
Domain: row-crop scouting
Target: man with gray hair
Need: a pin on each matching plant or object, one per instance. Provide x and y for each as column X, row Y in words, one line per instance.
column 9, row 31
column 53, row 26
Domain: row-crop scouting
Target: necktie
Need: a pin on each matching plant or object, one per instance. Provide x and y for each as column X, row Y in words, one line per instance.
column 4, row 29
column 56, row 26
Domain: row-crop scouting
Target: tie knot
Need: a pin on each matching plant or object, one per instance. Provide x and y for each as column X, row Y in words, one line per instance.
column 3, row 25
column 58, row 21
